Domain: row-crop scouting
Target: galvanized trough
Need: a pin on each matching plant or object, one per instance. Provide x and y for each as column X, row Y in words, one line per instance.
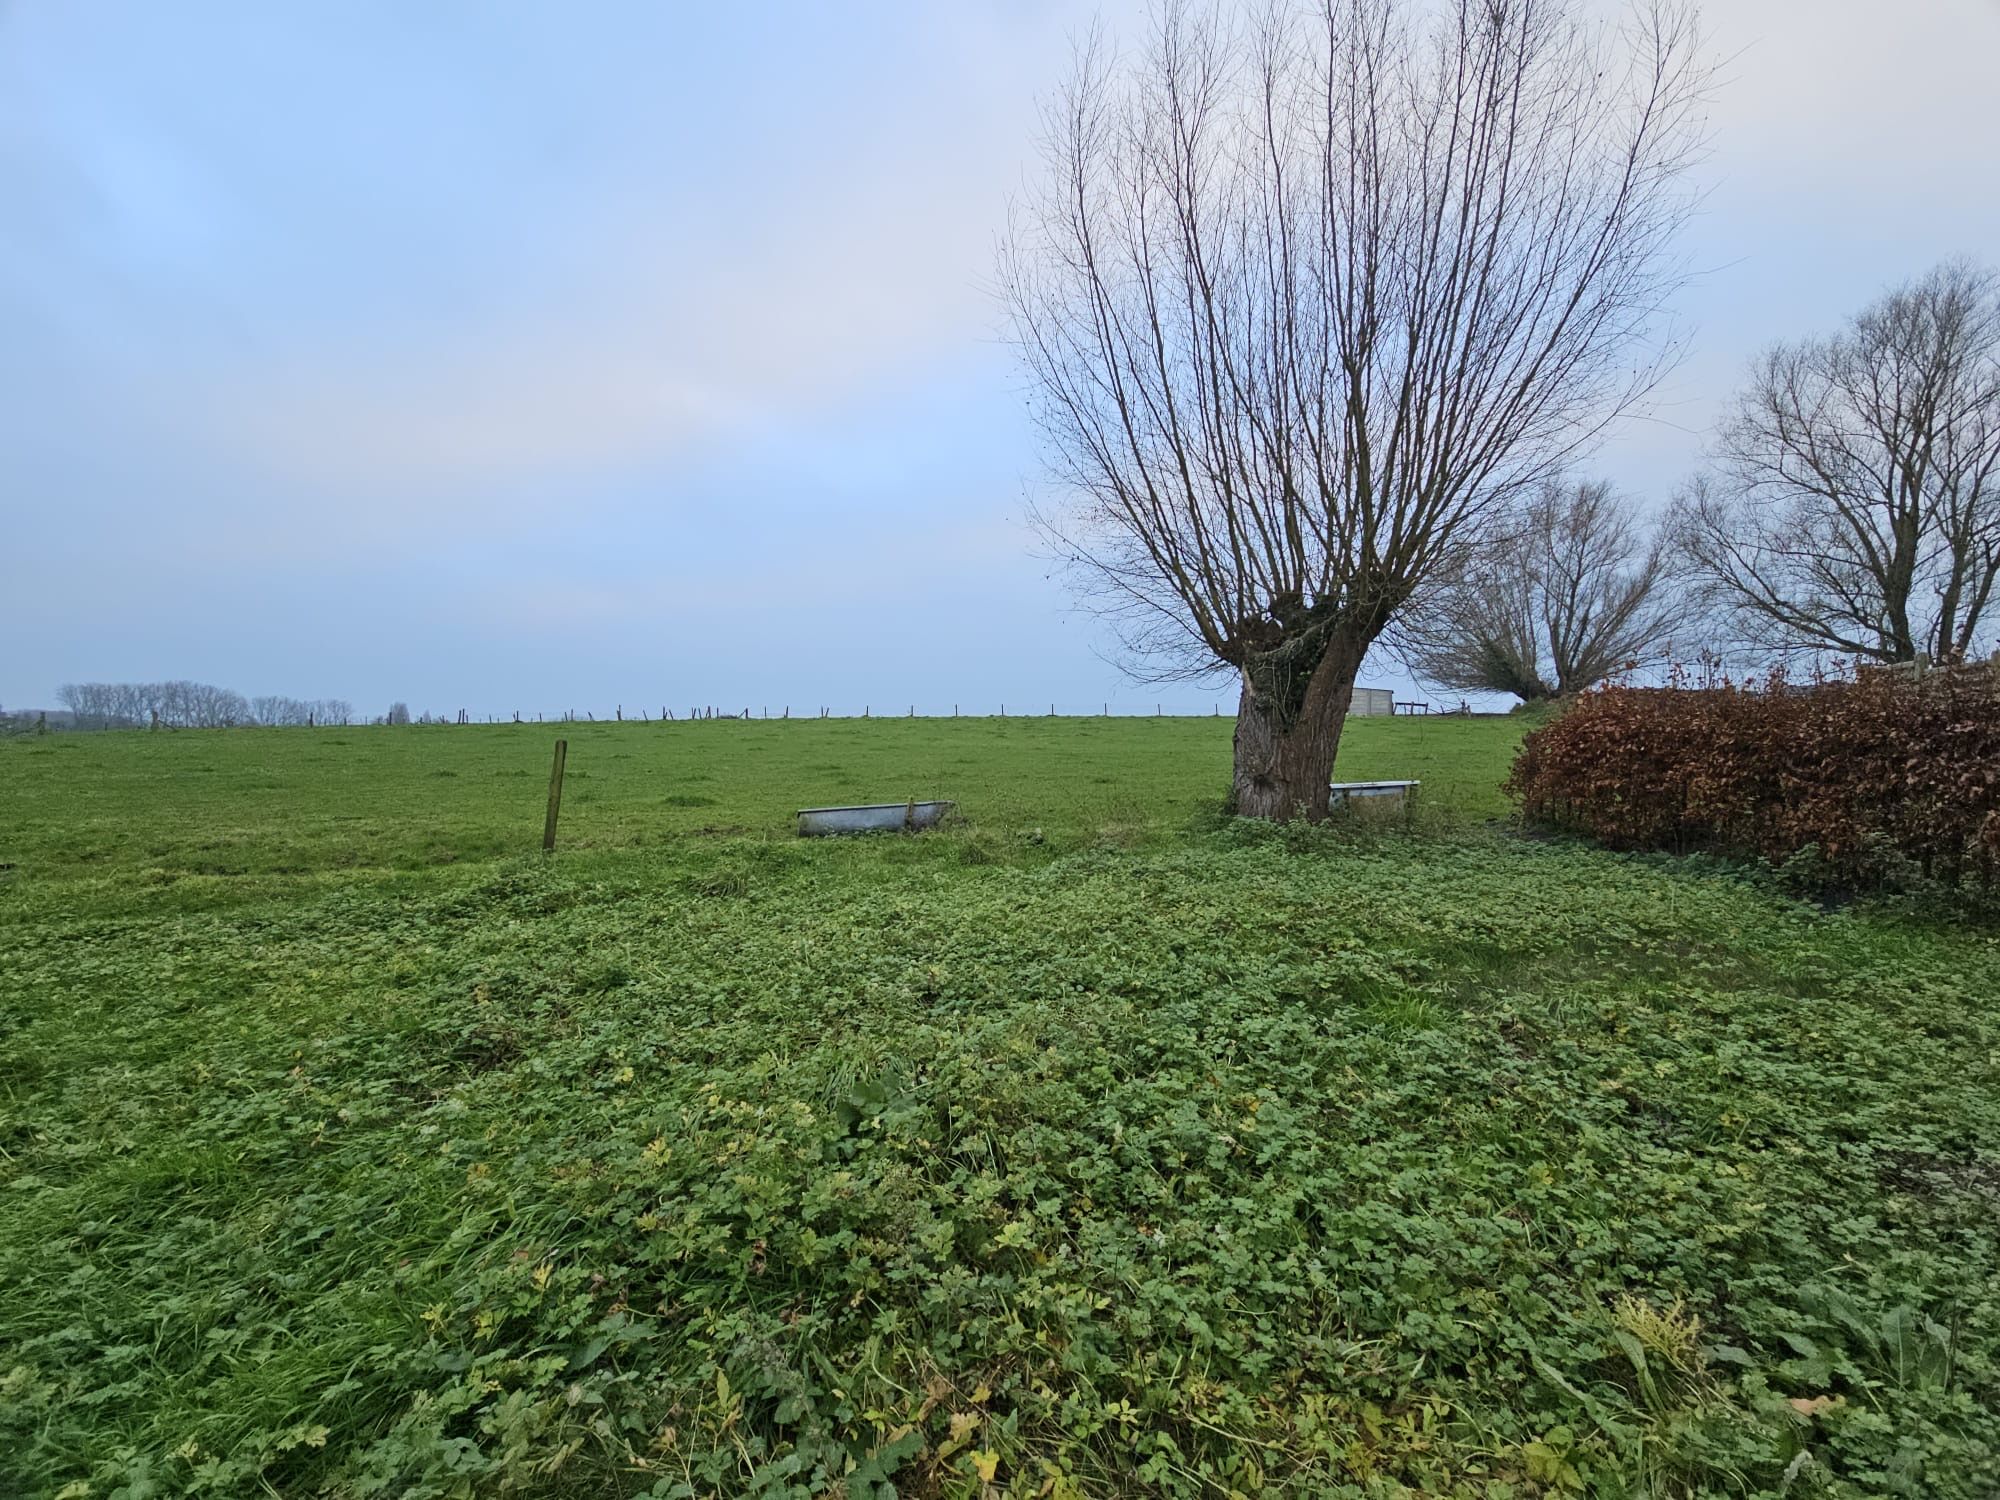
column 883, row 817
column 1371, row 793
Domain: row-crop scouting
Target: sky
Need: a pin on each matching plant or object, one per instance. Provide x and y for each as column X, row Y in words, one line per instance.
column 533, row 356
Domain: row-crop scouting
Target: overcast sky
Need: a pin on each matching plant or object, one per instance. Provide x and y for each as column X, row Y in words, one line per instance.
column 542, row 355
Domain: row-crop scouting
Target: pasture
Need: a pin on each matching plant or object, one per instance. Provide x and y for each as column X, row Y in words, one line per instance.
column 1094, row 1145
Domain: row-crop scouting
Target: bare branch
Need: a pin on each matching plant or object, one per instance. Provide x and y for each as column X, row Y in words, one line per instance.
column 1303, row 301
column 1855, row 503
column 1559, row 596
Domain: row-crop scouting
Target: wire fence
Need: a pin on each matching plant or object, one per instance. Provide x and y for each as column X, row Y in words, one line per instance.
column 666, row 713
column 1379, row 703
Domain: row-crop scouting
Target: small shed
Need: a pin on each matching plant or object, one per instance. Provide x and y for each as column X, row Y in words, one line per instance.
column 1372, row 702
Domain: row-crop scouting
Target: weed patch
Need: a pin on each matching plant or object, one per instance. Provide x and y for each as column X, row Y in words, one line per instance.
column 1169, row 1160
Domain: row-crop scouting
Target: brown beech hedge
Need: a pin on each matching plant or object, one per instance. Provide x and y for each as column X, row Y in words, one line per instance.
column 1882, row 779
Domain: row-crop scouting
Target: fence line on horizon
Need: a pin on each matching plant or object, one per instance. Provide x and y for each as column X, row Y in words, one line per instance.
column 816, row 713
column 1380, row 703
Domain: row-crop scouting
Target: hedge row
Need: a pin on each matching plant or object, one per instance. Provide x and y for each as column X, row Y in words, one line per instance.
column 1880, row 780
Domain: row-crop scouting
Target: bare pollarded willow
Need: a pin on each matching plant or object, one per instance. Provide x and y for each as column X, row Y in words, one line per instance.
column 1854, row 507
column 1566, row 594
column 1303, row 301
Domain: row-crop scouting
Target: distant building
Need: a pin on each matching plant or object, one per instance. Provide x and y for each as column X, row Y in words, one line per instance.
column 1369, row 702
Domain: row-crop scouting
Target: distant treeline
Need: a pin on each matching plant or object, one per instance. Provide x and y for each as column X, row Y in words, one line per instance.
column 189, row 705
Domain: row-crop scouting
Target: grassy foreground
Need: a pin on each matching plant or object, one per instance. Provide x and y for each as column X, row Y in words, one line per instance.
column 1094, row 1146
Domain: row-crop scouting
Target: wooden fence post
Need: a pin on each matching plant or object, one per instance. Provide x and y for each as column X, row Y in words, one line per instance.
column 555, row 796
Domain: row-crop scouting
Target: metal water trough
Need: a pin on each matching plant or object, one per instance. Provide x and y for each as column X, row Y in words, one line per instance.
column 1375, row 793
column 883, row 817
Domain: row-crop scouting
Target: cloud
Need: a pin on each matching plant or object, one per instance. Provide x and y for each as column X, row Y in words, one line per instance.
column 627, row 324
column 683, row 290
column 838, row 567
column 659, row 346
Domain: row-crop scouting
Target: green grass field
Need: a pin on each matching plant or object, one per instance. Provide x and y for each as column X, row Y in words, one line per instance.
column 1095, row 1145
column 258, row 802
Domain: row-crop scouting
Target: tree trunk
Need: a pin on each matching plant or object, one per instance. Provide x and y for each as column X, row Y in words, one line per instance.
column 1283, row 768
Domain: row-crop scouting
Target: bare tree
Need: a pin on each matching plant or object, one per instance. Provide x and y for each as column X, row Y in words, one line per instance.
column 188, row 705
column 276, row 709
column 201, row 705
column 92, row 705
column 1563, row 597
column 1854, row 505
column 399, row 712
column 1303, row 302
